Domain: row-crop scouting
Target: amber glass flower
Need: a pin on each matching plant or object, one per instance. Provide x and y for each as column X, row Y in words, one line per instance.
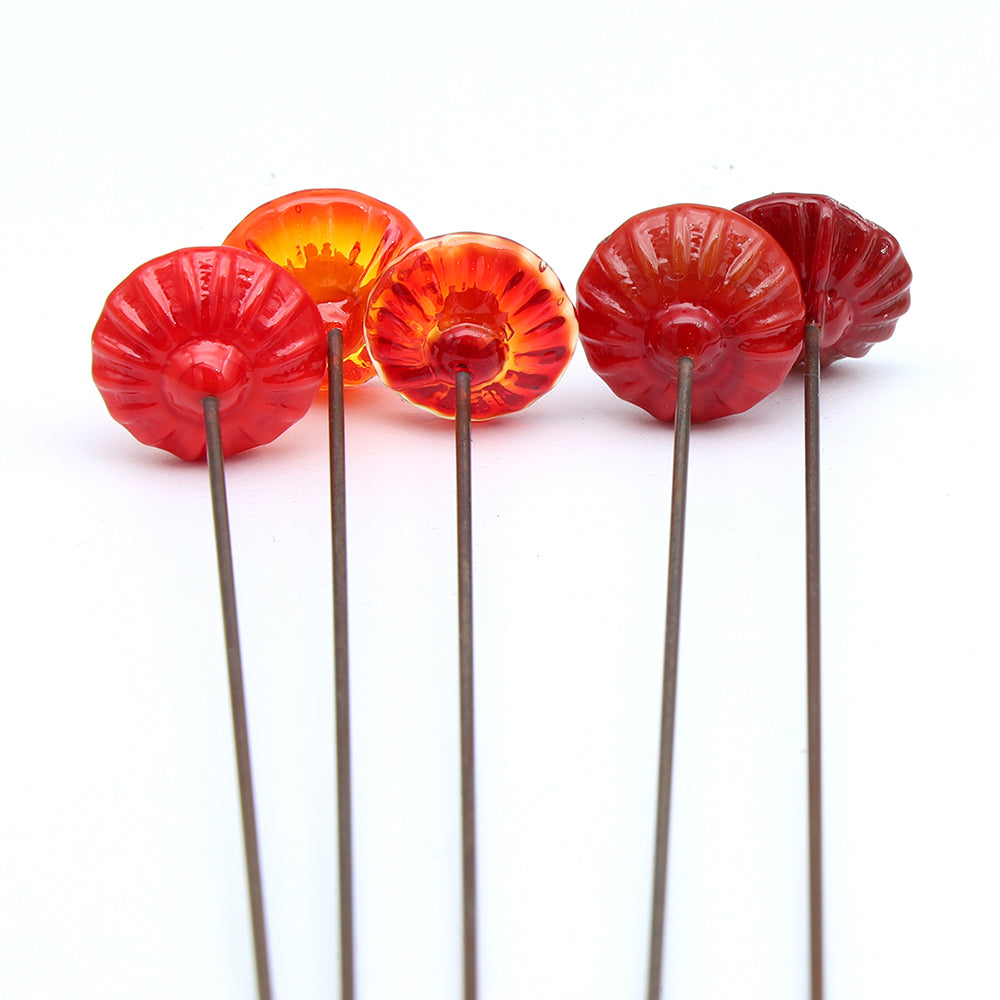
column 695, row 281
column 855, row 279
column 208, row 321
column 336, row 243
column 481, row 304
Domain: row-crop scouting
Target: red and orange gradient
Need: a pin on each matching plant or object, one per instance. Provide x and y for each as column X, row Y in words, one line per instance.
column 476, row 303
column 336, row 243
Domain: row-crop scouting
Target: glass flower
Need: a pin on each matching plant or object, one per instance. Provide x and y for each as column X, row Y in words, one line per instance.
column 855, row 279
column 335, row 242
column 690, row 280
column 208, row 321
column 470, row 302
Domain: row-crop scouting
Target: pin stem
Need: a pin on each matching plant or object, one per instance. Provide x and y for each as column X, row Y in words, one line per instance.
column 342, row 699
column 463, row 461
column 812, row 359
column 675, row 561
column 224, row 551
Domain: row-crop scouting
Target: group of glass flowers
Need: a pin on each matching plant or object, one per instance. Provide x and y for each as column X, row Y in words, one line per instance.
column 247, row 322
column 688, row 311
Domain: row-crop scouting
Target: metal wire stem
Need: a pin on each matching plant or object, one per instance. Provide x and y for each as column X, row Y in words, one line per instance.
column 675, row 562
column 341, row 672
column 813, row 680
column 463, row 462
column 223, row 547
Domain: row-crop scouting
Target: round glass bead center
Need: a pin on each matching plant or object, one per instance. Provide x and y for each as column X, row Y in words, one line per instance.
column 471, row 348
column 203, row 368
column 685, row 330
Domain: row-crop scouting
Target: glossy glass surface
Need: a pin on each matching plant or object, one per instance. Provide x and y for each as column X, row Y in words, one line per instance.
column 470, row 302
column 690, row 280
column 854, row 276
column 336, row 242
column 208, row 321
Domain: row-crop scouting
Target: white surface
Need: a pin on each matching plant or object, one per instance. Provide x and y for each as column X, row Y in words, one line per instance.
column 130, row 130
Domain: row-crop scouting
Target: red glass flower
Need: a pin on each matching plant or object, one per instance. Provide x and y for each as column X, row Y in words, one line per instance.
column 695, row 281
column 470, row 302
column 211, row 321
column 336, row 243
column 855, row 279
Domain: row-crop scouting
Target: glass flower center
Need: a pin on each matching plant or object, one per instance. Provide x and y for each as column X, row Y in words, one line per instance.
column 471, row 336
column 468, row 347
column 326, row 273
column 203, row 368
column 832, row 313
column 685, row 330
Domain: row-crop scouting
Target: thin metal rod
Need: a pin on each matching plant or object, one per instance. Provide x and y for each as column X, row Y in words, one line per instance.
column 463, row 462
column 223, row 546
column 812, row 337
column 341, row 675
column 675, row 562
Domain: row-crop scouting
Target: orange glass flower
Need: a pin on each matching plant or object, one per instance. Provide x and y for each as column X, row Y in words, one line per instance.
column 336, row 243
column 469, row 302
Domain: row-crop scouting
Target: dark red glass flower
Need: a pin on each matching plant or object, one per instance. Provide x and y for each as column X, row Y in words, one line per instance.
column 336, row 242
column 481, row 304
column 855, row 279
column 210, row 321
column 690, row 280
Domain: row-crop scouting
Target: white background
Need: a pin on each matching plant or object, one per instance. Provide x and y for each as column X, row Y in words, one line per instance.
column 129, row 130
